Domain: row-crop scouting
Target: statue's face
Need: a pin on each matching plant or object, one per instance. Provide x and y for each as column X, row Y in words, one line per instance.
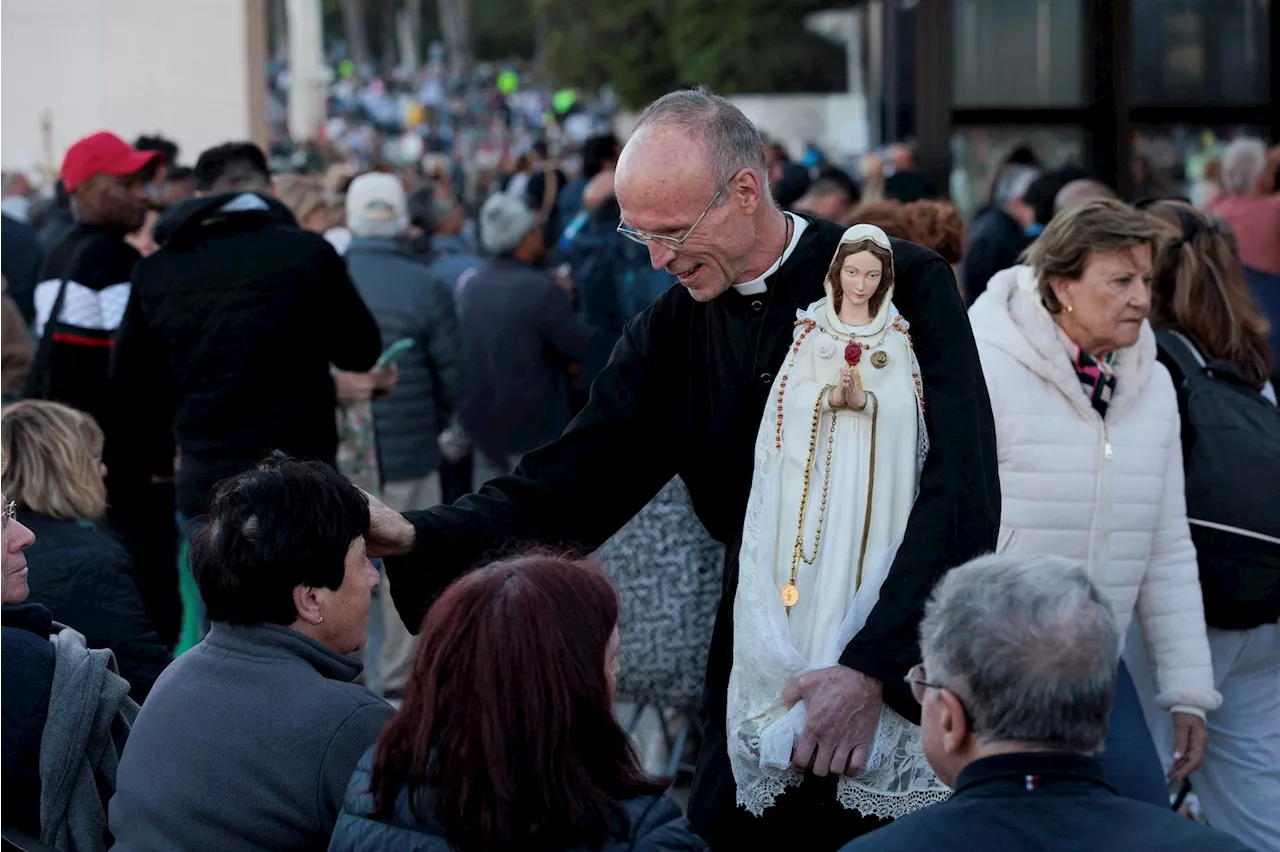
column 860, row 277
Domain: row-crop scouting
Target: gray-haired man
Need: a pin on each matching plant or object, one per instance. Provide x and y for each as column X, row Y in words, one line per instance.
column 1019, row 669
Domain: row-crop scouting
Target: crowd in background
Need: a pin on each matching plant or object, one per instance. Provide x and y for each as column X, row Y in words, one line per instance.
column 176, row 324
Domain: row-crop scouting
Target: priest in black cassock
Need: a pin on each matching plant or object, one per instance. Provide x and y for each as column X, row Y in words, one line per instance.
column 683, row 394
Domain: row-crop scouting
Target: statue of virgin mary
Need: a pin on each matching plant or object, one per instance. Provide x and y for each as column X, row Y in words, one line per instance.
column 837, row 467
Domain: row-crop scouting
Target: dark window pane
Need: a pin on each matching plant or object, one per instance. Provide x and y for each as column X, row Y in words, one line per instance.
column 977, row 152
column 1200, row 51
column 1011, row 53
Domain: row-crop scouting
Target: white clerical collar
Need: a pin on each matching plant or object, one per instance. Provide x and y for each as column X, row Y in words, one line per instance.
column 756, row 286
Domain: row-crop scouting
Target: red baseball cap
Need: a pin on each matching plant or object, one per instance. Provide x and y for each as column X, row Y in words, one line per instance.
column 103, row 154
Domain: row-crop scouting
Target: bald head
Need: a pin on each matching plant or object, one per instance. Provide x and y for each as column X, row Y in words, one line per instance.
column 729, row 142
column 1081, row 190
column 692, row 182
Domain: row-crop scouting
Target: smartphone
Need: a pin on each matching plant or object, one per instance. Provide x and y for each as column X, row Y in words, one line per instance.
column 393, row 353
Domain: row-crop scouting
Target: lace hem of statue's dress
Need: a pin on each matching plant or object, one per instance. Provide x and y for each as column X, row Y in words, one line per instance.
column 898, row 781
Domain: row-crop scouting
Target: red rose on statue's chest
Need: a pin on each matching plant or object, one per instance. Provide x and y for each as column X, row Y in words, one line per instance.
column 852, row 354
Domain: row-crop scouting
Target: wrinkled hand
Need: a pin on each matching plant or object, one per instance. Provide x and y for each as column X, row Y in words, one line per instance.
column 842, row 709
column 1189, row 741
column 390, row 533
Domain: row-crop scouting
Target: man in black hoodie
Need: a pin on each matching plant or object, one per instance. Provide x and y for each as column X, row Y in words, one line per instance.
column 229, row 335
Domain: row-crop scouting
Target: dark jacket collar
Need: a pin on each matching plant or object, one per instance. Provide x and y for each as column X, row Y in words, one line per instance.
column 31, row 617
column 279, row 642
column 1031, row 771
column 187, row 219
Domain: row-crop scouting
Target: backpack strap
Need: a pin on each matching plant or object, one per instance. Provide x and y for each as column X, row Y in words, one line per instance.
column 1183, row 354
column 39, row 380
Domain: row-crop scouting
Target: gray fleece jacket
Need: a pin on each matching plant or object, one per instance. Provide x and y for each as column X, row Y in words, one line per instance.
column 246, row 742
column 90, row 716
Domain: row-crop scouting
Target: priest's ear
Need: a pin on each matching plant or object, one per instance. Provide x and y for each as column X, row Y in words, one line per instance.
column 747, row 190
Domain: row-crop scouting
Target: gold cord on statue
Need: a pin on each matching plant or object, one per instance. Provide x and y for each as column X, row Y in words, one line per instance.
column 871, row 487
column 789, row 593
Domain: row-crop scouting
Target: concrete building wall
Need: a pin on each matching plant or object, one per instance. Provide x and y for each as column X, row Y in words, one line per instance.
column 191, row 70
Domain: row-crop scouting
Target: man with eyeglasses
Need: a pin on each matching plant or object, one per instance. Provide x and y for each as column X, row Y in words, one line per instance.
column 1019, row 670
column 683, row 393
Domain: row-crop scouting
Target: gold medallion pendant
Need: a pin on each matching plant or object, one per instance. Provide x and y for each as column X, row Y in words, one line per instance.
column 879, row 359
column 790, row 595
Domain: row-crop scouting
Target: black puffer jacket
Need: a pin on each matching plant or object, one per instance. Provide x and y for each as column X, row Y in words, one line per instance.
column 85, row 578
column 27, row 669
column 656, row 825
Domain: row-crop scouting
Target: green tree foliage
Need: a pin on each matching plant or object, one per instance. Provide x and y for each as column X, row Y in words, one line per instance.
column 644, row 48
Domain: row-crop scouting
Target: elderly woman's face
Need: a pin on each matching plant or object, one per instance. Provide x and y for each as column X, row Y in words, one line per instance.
column 1104, row 308
column 346, row 612
column 17, row 538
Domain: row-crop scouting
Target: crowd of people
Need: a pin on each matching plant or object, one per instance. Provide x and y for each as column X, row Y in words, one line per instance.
column 346, row 507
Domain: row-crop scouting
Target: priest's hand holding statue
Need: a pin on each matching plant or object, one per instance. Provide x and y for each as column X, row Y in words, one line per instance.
column 830, row 498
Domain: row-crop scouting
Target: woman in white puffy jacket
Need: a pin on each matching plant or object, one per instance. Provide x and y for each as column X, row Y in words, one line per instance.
column 1087, row 431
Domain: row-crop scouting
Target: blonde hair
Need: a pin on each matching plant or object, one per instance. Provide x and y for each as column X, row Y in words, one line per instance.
column 1096, row 226
column 52, row 454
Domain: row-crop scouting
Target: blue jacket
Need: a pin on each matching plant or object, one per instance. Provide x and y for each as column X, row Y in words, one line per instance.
column 656, row 825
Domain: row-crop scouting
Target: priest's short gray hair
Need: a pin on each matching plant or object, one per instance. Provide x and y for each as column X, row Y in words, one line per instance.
column 1029, row 645
column 733, row 142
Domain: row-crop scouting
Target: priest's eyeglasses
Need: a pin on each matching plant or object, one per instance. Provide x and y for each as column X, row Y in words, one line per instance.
column 670, row 242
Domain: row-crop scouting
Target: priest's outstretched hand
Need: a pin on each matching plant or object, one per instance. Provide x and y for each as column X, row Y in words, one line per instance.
column 842, row 708
column 390, row 534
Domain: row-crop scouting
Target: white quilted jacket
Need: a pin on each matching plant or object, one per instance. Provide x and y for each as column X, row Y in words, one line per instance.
column 1109, row 494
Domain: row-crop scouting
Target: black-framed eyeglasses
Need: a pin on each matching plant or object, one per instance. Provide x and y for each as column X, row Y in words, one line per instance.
column 671, row 242
column 919, row 681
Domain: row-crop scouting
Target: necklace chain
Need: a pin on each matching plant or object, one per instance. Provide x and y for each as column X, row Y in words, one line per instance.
column 798, row 555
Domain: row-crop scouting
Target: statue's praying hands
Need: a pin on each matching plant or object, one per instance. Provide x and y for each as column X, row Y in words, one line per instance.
column 846, row 393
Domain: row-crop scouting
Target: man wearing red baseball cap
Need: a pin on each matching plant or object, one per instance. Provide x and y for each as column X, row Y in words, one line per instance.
column 80, row 302
column 86, row 275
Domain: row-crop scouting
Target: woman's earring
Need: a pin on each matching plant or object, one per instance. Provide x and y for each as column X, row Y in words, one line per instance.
column 1070, row 309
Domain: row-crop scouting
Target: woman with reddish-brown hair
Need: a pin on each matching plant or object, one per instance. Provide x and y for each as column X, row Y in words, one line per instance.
column 506, row 738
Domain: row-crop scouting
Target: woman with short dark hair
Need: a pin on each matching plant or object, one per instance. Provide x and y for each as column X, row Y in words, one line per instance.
column 506, row 739
column 249, row 739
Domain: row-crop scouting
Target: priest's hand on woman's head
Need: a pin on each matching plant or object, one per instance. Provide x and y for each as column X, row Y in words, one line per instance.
column 390, row 533
column 842, row 709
